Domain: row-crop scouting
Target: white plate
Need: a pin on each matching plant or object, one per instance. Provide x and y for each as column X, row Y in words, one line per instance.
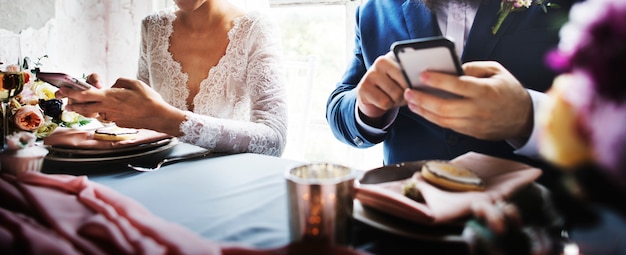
column 63, row 157
column 395, row 225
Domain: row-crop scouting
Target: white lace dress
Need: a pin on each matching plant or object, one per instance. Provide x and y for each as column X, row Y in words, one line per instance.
column 241, row 105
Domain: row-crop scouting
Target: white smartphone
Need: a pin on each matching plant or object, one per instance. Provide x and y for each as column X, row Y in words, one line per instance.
column 433, row 54
column 63, row 80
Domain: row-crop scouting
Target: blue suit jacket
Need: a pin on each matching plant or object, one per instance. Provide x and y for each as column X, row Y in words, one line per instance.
column 520, row 45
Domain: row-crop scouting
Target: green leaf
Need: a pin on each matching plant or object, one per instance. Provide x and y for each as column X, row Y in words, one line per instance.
column 84, row 122
column 505, row 12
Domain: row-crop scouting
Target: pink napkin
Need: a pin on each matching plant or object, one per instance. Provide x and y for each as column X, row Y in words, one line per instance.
column 83, row 139
column 63, row 214
column 502, row 178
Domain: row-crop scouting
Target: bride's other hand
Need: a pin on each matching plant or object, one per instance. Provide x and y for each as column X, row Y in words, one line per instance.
column 94, row 79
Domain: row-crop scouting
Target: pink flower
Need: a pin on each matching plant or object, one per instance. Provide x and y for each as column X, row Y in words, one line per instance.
column 28, row 117
column 522, row 3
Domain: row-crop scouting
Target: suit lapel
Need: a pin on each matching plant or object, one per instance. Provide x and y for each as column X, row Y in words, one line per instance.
column 480, row 41
column 420, row 21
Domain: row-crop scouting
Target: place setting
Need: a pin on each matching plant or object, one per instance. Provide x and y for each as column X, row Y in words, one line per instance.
column 431, row 200
column 107, row 143
column 106, row 146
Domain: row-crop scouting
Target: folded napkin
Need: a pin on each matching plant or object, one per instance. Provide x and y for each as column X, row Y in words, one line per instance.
column 83, row 139
column 502, row 178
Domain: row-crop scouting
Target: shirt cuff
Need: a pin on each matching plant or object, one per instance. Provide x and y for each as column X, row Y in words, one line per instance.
column 530, row 148
column 374, row 131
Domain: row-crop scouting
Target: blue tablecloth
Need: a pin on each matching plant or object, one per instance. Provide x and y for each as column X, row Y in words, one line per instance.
column 238, row 198
column 233, row 198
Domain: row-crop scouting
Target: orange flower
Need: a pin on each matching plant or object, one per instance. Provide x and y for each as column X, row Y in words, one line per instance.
column 562, row 140
column 29, row 117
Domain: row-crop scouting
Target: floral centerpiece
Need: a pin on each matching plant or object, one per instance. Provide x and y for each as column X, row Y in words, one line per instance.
column 584, row 123
column 37, row 110
column 582, row 131
column 33, row 114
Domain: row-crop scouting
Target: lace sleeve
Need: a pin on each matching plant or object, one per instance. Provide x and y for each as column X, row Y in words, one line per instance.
column 264, row 128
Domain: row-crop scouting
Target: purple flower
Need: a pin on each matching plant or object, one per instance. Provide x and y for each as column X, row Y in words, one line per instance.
column 593, row 51
column 594, row 40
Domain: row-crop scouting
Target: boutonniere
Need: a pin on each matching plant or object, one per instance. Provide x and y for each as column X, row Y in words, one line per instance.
column 508, row 6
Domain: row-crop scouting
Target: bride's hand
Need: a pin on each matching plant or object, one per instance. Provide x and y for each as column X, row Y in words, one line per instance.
column 94, row 80
column 130, row 103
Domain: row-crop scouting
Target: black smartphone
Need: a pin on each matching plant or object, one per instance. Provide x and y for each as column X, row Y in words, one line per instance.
column 433, row 54
column 63, row 80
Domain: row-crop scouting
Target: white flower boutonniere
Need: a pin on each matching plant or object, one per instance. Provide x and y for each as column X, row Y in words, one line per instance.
column 508, row 6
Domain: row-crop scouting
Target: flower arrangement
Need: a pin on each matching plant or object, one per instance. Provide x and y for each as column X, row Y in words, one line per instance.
column 37, row 110
column 509, row 6
column 584, row 122
column 582, row 131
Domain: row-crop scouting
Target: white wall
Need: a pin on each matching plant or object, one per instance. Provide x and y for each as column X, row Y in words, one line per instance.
column 79, row 36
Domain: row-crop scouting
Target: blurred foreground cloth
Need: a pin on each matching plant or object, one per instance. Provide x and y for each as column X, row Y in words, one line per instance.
column 63, row 214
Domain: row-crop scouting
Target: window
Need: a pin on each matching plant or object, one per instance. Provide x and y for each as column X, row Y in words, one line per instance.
column 317, row 40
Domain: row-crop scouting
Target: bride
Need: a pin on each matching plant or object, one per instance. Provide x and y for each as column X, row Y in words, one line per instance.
column 209, row 73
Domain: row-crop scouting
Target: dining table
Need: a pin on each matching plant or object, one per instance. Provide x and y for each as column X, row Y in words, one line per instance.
column 241, row 199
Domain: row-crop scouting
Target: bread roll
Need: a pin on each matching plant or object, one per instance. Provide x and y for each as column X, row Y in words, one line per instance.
column 451, row 177
column 115, row 133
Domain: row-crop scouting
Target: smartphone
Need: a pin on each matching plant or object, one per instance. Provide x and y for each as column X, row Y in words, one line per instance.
column 63, row 80
column 433, row 54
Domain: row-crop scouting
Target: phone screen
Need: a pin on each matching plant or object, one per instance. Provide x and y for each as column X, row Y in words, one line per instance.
column 433, row 54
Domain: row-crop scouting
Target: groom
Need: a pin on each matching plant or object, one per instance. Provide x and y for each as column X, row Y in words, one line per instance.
column 504, row 79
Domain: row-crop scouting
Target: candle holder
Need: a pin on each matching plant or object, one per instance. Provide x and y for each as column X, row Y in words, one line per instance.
column 11, row 79
column 320, row 203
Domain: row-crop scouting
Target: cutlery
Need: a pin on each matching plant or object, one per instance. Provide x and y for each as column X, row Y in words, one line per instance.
column 190, row 156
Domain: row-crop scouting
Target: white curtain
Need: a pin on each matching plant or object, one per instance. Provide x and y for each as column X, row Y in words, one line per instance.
column 252, row 5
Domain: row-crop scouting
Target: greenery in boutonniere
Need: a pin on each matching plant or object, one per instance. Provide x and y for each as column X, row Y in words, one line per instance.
column 509, row 6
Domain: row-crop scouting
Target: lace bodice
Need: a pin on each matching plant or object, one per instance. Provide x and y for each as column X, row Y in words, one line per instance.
column 241, row 105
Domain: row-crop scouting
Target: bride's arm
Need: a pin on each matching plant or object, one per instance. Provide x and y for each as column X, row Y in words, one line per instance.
column 266, row 130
